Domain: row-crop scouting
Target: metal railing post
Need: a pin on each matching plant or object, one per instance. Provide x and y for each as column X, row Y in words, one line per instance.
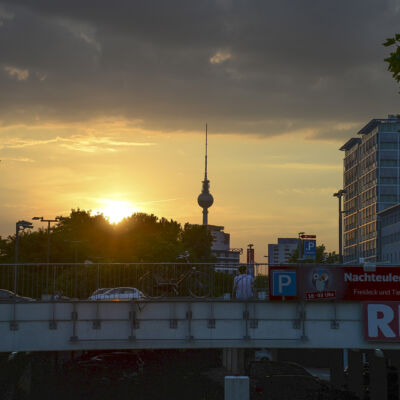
column 16, row 259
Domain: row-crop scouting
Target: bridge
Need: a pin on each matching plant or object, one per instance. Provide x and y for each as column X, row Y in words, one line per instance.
column 182, row 323
column 324, row 328
column 313, row 331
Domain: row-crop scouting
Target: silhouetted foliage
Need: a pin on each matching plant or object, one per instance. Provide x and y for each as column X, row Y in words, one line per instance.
column 394, row 57
column 197, row 240
column 320, row 258
column 138, row 238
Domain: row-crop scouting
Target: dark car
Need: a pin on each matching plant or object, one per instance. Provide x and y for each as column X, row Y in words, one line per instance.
column 8, row 295
column 282, row 381
column 110, row 366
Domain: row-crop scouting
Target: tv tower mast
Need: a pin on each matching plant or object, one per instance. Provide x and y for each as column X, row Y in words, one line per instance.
column 205, row 198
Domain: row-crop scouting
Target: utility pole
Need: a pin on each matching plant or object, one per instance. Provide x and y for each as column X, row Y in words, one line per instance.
column 49, row 221
column 20, row 225
column 339, row 195
column 300, row 246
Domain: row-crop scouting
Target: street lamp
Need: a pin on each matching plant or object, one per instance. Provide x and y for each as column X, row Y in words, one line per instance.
column 19, row 226
column 300, row 245
column 49, row 221
column 339, row 195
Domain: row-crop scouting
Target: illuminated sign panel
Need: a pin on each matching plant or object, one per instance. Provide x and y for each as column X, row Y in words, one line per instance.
column 324, row 281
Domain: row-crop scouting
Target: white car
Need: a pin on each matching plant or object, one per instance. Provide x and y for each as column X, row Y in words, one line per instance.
column 119, row 293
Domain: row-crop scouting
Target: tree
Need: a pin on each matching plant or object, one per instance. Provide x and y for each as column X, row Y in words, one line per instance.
column 197, row 240
column 320, row 258
column 393, row 60
column 138, row 238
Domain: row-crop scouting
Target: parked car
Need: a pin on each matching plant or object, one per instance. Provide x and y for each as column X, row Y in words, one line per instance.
column 262, row 355
column 108, row 367
column 119, row 293
column 8, row 295
column 98, row 291
column 283, row 380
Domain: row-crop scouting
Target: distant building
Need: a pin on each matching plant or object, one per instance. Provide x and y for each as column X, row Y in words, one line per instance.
column 280, row 253
column 389, row 234
column 221, row 246
column 371, row 179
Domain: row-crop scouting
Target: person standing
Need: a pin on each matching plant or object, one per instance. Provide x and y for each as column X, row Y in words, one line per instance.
column 243, row 284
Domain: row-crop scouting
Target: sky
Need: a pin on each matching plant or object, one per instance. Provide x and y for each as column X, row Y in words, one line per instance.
column 103, row 107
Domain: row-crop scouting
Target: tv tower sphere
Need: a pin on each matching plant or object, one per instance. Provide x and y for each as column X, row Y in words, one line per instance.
column 205, row 199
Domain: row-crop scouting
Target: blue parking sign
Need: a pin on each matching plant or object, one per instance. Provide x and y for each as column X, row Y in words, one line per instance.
column 284, row 283
column 309, row 249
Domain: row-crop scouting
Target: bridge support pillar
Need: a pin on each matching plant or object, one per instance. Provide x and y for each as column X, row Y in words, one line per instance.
column 229, row 359
column 233, row 360
column 377, row 377
column 337, row 368
column 225, row 358
column 394, row 356
column 355, row 373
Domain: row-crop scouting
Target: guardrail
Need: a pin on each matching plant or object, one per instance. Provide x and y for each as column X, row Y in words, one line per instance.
column 155, row 280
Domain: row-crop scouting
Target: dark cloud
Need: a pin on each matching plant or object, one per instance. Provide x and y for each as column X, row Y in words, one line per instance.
column 258, row 67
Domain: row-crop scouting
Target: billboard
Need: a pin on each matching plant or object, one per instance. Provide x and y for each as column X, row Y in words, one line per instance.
column 330, row 282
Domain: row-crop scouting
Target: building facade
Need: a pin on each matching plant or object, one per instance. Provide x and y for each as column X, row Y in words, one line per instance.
column 280, row 253
column 371, row 180
column 221, row 246
column 389, row 234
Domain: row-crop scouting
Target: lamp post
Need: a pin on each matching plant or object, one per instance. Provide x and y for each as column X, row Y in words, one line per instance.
column 19, row 226
column 49, row 221
column 300, row 246
column 339, row 195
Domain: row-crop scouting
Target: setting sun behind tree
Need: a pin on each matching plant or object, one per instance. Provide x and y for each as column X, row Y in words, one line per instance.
column 116, row 210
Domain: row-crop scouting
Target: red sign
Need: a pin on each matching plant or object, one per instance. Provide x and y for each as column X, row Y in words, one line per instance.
column 315, row 282
column 329, row 294
column 308, row 236
column 381, row 321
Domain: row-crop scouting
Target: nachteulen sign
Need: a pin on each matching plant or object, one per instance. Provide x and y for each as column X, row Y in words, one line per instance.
column 325, row 282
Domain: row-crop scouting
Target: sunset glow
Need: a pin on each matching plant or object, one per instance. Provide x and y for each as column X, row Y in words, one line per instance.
column 106, row 111
column 115, row 210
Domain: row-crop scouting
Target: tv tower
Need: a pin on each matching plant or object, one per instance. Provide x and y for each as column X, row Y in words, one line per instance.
column 205, row 198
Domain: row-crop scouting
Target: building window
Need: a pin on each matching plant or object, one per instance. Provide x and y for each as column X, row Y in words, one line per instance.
column 388, row 163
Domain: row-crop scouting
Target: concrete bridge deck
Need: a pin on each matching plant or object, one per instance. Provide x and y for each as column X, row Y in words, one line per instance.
column 182, row 323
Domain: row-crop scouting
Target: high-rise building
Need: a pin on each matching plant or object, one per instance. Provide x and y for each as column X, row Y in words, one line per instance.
column 389, row 234
column 280, row 253
column 372, row 183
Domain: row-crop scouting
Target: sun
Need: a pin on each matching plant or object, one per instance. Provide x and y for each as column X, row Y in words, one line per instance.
column 116, row 210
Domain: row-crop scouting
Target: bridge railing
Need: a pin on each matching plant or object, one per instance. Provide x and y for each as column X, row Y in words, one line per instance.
column 154, row 280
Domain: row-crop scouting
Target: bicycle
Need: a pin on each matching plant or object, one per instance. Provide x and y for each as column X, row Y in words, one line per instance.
column 157, row 284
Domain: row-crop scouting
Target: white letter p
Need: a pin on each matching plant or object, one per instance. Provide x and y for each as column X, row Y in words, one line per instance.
column 283, row 281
